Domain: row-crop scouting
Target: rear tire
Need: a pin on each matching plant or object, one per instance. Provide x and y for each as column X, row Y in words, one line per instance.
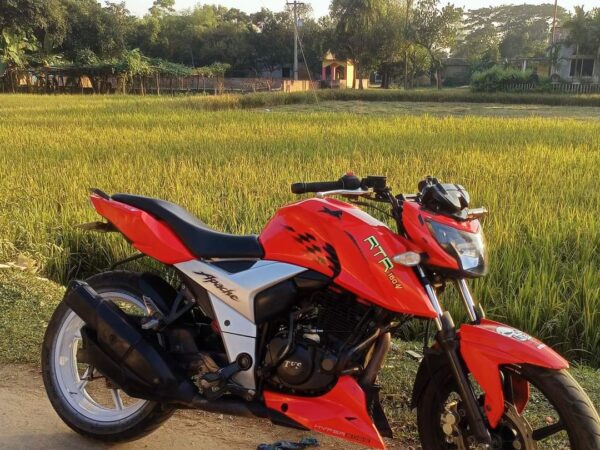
column 144, row 418
column 581, row 420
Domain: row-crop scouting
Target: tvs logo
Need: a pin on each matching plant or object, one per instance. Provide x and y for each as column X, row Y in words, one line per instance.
column 385, row 261
column 512, row 333
column 294, row 365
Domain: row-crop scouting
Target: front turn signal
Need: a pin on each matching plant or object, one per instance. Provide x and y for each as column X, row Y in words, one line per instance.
column 409, row 259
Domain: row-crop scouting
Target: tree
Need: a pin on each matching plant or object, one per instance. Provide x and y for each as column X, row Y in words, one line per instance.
column 392, row 41
column 271, row 40
column 160, row 8
column 23, row 17
column 228, row 43
column 117, row 28
column 595, row 29
column 217, row 70
column 107, row 31
column 133, row 64
column 84, row 28
column 355, row 32
column 435, row 30
column 583, row 32
column 316, row 41
column 506, row 31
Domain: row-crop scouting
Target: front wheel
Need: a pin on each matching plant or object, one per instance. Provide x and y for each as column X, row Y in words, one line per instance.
column 558, row 416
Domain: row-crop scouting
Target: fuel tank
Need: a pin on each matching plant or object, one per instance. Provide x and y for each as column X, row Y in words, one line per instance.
column 345, row 243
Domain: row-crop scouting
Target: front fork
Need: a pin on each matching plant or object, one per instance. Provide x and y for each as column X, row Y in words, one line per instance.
column 447, row 339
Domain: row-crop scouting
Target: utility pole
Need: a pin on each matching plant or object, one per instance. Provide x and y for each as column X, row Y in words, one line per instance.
column 295, row 5
column 408, row 6
column 553, row 48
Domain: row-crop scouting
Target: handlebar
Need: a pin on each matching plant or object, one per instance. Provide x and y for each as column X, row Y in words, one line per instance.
column 371, row 184
column 347, row 182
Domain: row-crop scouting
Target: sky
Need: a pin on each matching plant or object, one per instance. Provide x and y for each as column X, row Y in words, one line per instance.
column 321, row 7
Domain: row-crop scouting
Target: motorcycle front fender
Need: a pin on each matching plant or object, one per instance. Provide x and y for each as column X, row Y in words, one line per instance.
column 487, row 346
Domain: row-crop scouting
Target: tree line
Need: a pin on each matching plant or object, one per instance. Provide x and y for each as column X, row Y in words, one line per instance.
column 400, row 39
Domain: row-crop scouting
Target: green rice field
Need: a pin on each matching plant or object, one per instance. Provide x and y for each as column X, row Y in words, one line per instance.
column 537, row 171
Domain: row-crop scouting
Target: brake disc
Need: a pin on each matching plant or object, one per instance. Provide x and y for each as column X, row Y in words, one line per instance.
column 513, row 432
column 517, row 423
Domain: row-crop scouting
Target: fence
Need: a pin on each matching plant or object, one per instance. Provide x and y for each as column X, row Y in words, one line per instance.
column 577, row 88
column 59, row 82
column 299, row 85
column 567, row 88
column 521, row 87
column 196, row 84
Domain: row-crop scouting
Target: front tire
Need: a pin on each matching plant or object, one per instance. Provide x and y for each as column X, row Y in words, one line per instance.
column 578, row 419
column 91, row 414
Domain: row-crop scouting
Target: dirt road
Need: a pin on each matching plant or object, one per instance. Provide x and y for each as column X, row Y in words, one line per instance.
column 27, row 421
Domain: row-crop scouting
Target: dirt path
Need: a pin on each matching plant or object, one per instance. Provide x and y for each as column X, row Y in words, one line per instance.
column 27, row 421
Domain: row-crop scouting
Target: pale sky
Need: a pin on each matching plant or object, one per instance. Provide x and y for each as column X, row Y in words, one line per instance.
column 321, row 7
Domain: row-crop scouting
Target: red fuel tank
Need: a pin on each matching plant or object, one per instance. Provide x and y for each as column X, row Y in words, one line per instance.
column 343, row 242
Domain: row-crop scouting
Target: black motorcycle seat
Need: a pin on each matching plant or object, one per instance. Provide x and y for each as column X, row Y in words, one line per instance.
column 200, row 240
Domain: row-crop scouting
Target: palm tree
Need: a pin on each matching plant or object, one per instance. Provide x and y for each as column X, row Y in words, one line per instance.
column 579, row 34
column 595, row 29
column 355, row 27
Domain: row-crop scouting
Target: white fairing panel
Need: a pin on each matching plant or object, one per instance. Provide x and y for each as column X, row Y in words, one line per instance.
column 232, row 298
column 239, row 336
column 238, row 289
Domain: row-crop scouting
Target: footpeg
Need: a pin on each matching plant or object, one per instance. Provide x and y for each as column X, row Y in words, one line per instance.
column 220, row 381
column 241, row 363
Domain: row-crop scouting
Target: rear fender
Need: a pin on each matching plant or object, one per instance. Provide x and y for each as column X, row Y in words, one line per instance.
column 487, row 346
column 162, row 293
column 146, row 233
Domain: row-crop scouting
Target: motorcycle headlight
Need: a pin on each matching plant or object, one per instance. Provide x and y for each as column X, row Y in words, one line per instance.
column 468, row 248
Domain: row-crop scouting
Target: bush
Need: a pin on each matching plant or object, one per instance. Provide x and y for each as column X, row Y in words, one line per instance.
column 503, row 79
column 272, row 99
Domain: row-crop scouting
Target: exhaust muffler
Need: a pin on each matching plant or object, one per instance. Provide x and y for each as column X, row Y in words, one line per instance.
column 114, row 344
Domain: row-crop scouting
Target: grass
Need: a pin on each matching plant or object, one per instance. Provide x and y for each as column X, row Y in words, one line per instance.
column 453, row 95
column 423, row 95
column 27, row 302
column 459, row 109
column 537, row 175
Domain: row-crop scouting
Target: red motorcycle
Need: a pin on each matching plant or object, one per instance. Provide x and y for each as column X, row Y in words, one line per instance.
column 294, row 325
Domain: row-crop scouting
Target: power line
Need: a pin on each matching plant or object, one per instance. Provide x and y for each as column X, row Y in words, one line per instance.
column 310, row 80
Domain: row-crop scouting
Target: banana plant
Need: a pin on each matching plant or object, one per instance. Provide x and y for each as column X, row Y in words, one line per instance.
column 13, row 55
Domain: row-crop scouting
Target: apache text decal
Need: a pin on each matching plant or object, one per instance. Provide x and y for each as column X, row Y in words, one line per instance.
column 216, row 283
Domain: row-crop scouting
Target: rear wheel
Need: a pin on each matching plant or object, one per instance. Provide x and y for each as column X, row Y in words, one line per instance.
column 558, row 416
column 84, row 399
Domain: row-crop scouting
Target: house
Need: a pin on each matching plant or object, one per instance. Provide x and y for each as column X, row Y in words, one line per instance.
column 339, row 73
column 573, row 67
column 456, row 71
column 336, row 73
